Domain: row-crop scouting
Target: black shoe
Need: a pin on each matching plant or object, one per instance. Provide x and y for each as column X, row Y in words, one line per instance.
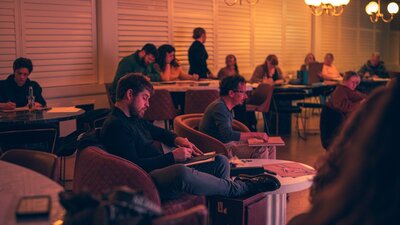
column 260, row 182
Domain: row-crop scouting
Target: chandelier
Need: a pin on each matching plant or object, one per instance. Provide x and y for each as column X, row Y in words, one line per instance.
column 234, row 2
column 373, row 9
column 329, row 7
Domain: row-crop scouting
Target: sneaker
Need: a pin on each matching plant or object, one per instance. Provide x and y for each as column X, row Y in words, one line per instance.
column 260, row 182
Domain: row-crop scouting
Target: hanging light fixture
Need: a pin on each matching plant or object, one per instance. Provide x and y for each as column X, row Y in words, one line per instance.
column 234, row 2
column 373, row 9
column 329, row 7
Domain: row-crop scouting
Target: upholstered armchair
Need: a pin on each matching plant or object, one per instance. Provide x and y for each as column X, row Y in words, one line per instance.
column 187, row 126
column 98, row 171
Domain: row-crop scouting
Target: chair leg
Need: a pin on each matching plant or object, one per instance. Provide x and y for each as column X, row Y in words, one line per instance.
column 266, row 128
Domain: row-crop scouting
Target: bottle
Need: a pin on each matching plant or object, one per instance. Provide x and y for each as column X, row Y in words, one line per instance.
column 31, row 99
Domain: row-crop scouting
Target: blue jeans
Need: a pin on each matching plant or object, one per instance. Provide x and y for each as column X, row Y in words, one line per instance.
column 204, row 179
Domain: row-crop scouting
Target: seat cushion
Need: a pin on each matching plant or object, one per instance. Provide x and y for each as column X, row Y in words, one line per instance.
column 184, row 202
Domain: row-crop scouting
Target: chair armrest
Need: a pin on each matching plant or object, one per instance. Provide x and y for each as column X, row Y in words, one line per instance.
column 238, row 126
column 193, row 216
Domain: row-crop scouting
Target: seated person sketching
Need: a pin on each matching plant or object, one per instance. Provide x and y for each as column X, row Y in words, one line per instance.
column 168, row 66
column 329, row 71
column 127, row 135
column 218, row 118
column 14, row 91
column 269, row 72
column 231, row 68
column 345, row 98
column 374, row 68
column 310, row 58
column 357, row 181
column 142, row 61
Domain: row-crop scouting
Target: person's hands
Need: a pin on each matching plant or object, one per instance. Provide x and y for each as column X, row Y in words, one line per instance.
column 195, row 77
column 8, row 105
column 367, row 75
column 182, row 154
column 147, row 78
column 267, row 81
column 38, row 105
column 184, row 142
column 260, row 135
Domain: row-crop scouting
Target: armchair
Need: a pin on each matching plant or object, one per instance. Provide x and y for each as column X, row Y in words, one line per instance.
column 98, row 171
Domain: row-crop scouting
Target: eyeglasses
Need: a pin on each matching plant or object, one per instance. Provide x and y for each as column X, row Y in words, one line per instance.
column 239, row 91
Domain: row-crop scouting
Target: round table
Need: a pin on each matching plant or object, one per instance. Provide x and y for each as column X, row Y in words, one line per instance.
column 16, row 182
column 53, row 115
column 276, row 210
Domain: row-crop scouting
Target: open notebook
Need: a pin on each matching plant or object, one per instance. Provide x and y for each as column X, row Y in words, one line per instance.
column 272, row 141
column 207, row 157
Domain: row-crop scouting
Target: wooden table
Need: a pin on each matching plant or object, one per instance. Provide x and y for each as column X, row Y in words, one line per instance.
column 184, row 85
column 16, row 182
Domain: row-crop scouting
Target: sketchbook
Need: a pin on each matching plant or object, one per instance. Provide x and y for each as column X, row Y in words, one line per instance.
column 207, row 157
column 272, row 141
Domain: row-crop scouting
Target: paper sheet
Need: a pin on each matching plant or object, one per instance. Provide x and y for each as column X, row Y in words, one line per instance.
column 290, row 169
column 64, row 109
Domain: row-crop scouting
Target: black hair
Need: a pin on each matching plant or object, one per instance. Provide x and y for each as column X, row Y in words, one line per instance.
column 150, row 49
column 162, row 52
column 230, row 83
column 134, row 81
column 23, row 63
column 197, row 32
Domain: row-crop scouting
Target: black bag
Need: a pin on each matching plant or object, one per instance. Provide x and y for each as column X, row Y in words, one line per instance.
column 121, row 206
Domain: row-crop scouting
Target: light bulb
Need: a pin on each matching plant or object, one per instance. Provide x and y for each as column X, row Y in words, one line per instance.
column 313, row 2
column 393, row 8
column 326, row 1
column 344, row 2
column 372, row 7
column 336, row 2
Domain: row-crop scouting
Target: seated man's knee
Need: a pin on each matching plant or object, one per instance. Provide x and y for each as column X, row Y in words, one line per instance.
column 222, row 160
column 180, row 171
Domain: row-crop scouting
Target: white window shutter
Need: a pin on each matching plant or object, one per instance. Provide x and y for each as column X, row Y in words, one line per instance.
column 141, row 22
column 60, row 38
column 8, row 37
column 187, row 15
column 234, row 37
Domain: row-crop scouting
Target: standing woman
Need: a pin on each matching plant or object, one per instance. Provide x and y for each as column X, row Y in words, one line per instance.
column 198, row 55
column 231, row 68
column 168, row 66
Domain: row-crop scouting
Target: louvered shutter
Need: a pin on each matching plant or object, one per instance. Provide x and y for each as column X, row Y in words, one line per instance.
column 60, row 38
column 141, row 22
column 8, row 37
column 187, row 15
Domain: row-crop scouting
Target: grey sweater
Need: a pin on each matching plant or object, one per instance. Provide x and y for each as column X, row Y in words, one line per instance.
column 217, row 122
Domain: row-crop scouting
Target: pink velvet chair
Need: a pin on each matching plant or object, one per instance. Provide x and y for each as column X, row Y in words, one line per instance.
column 196, row 101
column 98, row 171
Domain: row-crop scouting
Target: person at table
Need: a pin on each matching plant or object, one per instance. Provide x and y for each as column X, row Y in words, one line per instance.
column 126, row 134
column 310, row 58
column 329, row 71
column 168, row 66
column 357, row 182
column 198, row 55
column 374, row 68
column 269, row 72
column 217, row 121
column 142, row 61
column 231, row 68
column 14, row 91
column 345, row 98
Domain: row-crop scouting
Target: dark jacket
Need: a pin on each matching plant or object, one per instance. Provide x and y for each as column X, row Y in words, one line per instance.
column 133, row 138
column 10, row 91
column 379, row 70
column 198, row 59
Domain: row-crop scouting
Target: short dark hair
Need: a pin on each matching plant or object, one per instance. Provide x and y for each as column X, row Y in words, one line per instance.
column 330, row 55
column 230, row 83
column 350, row 74
column 197, row 32
column 150, row 49
column 23, row 63
column 134, row 81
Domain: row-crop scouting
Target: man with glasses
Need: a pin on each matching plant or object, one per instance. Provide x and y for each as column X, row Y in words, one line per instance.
column 218, row 118
column 142, row 61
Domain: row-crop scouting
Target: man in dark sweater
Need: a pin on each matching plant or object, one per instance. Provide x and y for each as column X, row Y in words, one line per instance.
column 127, row 135
column 374, row 68
column 14, row 91
column 142, row 61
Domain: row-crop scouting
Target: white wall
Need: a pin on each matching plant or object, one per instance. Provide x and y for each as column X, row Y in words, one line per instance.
column 76, row 45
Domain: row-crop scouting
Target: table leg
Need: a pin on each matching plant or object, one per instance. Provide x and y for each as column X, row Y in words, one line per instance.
column 276, row 209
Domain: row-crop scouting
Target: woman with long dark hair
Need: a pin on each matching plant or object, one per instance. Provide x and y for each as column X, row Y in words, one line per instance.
column 231, row 68
column 358, row 180
column 269, row 72
column 168, row 66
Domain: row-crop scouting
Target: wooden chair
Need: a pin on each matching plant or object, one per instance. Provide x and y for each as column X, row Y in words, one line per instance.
column 109, row 94
column 161, row 108
column 41, row 162
column 260, row 101
column 196, row 101
column 187, row 125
